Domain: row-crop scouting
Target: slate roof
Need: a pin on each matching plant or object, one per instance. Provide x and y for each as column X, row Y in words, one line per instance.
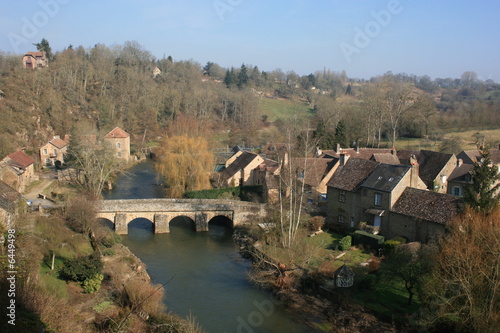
column 116, row 133
column 459, row 173
column 20, row 160
column 316, row 168
column 385, row 158
column 363, row 153
column 8, row 197
column 350, row 176
column 427, row 205
column 385, row 177
column 271, row 165
column 239, row 163
column 430, row 163
column 472, row 156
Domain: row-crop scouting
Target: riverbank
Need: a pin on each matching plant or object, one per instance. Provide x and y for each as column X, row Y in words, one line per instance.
column 309, row 294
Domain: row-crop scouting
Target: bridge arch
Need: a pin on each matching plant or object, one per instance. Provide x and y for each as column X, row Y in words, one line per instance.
column 141, row 223
column 182, row 221
column 221, row 220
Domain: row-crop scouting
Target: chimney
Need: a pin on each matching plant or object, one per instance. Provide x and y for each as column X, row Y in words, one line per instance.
column 414, row 172
column 337, row 148
column 66, row 137
column 56, row 137
column 460, row 162
column 344, row 158
column 318, row 151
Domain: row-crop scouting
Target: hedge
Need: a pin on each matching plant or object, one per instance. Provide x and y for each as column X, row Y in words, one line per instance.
column 245, row 193
column 366, row 238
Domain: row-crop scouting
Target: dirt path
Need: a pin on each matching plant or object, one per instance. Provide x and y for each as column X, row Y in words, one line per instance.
column 33, row 193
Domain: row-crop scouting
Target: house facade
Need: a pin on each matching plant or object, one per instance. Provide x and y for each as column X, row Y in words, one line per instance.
column 52, row 152
column 120, row 141
column 243, row 168
column 9, row 198
column 32, row 60
column 17, row 170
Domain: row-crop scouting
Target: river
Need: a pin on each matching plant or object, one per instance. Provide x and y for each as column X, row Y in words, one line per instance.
column 203, row 272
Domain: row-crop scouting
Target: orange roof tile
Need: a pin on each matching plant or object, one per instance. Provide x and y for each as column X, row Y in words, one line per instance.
column 20, row 159
column 117, row 132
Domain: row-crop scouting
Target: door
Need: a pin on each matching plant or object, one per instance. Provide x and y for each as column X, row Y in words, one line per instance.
column 377, row 221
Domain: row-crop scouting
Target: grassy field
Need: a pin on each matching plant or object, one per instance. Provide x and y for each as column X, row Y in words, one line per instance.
column 285, row 109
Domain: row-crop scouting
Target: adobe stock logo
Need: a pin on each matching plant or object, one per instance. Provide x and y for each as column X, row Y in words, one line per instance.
column 223, row 6
column 264, row 310
column 372, row 29
column 30, row 28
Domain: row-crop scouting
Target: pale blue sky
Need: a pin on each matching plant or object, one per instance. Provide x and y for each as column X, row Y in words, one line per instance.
column 437, row 38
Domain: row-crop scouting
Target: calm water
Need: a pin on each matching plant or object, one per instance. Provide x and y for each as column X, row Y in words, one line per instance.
column 204, row 274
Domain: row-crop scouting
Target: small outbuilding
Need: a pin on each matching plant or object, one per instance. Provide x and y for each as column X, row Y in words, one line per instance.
column 344, row 277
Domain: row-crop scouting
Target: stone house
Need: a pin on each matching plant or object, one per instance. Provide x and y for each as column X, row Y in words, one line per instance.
column 315, row 173
column 240, row 168
column 32, row 60
column 54, row 151
column 383, row 187
column 17, row 170
column 473, row 156
column 421, row 215
column 9, row 198
column 120, row 141
column 459, row 178
column 434, row 167
column 344, row 207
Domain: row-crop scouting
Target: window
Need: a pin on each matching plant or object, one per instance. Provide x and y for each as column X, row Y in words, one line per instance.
column 378, row 199
column 341, row 216
column 300, row 174
column 457, row 191
column 55, row 152
column 118, row 154
column 342, row 196
column 118, row 145
column 352, row 222
column 45, row 151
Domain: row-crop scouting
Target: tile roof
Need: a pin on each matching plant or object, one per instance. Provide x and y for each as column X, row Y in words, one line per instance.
column 116, row 132
column 430, row 163
column 472, row 156
column 428, row 205
column 385, row 177
column 385, row 158
column 315, row 168
column 59, row 143
column 20, row 160
column 363, row 153
column 459, row 173
column 35, row 54
column 350, row 176
column 239, row 164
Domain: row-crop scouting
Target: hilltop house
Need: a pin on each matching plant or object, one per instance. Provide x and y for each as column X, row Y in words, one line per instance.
column 120, row 140
column 52, row 152
column 8, row 202
column 17, row 170
column 32, row 60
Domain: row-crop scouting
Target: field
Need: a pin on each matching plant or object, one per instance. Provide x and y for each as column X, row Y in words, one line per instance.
column 285, row 109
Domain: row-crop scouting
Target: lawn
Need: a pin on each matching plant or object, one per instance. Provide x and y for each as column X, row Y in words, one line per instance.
column 285, row 109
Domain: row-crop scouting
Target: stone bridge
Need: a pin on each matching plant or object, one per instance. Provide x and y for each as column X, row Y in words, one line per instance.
column 162, row 211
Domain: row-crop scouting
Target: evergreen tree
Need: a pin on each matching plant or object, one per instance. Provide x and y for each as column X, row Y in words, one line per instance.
column 483, row 193
column 44, row 46
column 340, row 135
column 230, row 80
column 243, row 77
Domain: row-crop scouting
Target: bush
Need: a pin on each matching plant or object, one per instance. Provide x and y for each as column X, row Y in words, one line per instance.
column 82, row 268
column 93, row 284
column 390, row 246
column 345, row 243
column 315, row 223
column 367, row 282
column 366, row 238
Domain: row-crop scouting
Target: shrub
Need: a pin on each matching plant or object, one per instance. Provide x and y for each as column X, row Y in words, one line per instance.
column 390, row 246
column 367, row 282
column 315, row 223
column 345, row 243
column 93, row 284
column 366, row 238
column 82, row 268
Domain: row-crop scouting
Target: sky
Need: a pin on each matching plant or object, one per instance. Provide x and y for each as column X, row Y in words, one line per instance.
column 365, row 38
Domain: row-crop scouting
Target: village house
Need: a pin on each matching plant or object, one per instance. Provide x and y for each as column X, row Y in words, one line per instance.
column 459, row 178
column 17, row 170
column 362, row 153
column 421, row 215
column 434, row 167
column 52, row 153
column 120, row 141
column 32, row 60
column 240, row 168
column 9, row 198
column 473, row 156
